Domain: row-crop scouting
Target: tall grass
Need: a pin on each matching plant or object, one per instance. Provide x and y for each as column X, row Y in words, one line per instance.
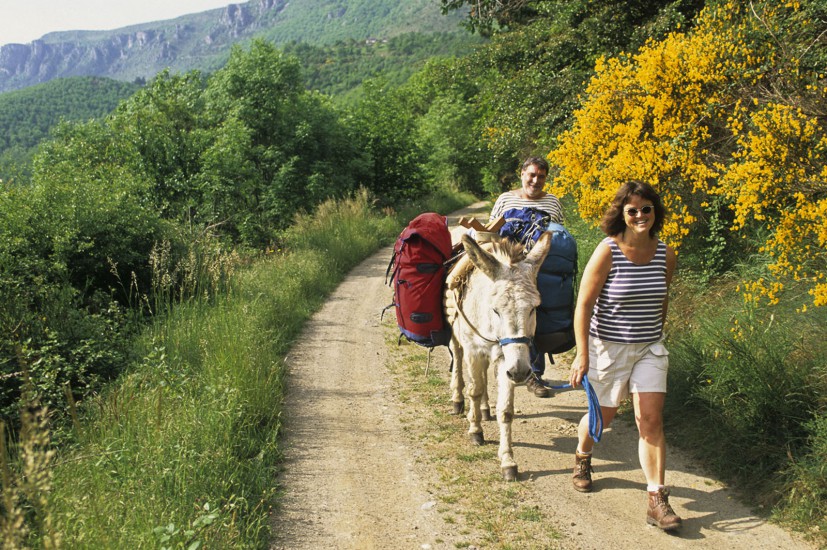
column 27, row 483
column 183, row 450
column 748, row 395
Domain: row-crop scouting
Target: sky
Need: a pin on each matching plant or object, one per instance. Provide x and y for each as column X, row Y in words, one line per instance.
column 22, row 21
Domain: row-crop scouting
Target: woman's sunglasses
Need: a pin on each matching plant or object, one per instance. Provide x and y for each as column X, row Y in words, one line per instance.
column 632, row 212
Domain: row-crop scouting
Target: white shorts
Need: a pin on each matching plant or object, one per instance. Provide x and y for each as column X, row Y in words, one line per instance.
column 617, row 370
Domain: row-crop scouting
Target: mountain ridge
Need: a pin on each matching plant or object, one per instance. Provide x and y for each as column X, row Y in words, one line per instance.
column 203, row 40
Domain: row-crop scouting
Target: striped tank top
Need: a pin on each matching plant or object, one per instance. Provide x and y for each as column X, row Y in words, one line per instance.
column 629, row 309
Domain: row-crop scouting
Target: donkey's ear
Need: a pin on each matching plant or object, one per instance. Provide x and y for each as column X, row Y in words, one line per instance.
column 539, row 252
column 481, row 259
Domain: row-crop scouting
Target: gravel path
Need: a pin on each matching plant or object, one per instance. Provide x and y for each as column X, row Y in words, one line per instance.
column 353, row 478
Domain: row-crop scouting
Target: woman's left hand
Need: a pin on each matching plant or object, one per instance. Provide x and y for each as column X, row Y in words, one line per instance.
column 579, row 369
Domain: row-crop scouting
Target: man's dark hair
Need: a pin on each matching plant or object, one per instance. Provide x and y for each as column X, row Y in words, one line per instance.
column 539, row 162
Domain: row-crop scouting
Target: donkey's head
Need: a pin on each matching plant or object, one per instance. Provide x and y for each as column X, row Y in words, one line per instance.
column 509, row 314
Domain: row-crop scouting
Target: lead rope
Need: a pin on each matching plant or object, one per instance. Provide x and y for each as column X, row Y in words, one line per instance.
column 595, row 414
column 459, row 308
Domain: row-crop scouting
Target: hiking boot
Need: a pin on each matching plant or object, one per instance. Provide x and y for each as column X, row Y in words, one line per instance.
column 582, row 478
column 660, row 514
column 536, row 387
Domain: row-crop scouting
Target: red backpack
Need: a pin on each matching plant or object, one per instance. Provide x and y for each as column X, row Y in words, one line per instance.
column 417, row 273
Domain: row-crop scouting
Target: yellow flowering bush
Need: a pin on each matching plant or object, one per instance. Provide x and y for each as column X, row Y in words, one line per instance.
column 778, row 177
column 725, row 113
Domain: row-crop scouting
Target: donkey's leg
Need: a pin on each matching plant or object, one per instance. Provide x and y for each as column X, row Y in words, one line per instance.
column 485, row 408
column 505, row 415
column 457, row 383
column 476, row 386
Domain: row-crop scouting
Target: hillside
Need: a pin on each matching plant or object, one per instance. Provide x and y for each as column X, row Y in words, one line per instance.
column 203, row 40
column 339, row 69
column 27, row 115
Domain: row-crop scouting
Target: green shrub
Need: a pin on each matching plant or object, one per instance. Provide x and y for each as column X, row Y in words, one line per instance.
column 805, row 503
column 69, row 237
column 91, row 207
column 749, row 383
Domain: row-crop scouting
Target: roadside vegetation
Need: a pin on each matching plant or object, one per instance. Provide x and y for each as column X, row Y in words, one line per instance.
column 183, row 449
column 160, row 260
column 739, row 157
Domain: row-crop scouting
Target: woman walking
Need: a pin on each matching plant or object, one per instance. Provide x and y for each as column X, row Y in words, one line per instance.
column 618, row 323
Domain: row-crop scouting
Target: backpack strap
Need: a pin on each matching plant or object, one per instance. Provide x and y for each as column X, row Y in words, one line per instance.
column 390, row 272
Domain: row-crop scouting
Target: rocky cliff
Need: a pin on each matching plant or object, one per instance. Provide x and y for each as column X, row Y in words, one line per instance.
column 194, row 41
column 203, row 40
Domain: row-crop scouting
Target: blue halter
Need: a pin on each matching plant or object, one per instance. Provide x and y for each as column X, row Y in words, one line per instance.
column 518, row 340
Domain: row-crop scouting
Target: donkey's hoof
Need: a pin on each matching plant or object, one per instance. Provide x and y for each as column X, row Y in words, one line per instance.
column 476, row 439
column 510, row 473
column 459, row 407
column 486, row 415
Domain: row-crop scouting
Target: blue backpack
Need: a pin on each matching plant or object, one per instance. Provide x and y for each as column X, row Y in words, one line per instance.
column 524, row 225
column 556, row 279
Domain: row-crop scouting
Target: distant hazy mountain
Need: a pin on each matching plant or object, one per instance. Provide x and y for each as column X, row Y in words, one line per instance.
column 203, row 40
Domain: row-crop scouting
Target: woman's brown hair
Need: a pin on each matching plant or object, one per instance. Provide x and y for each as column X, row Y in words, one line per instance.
column 613, row 222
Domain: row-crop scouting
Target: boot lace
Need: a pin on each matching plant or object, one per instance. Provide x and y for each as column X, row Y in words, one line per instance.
column 662, row 502
column 584, row 468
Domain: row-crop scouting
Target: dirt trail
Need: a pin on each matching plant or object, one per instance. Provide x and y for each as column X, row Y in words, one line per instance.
column 352, row 478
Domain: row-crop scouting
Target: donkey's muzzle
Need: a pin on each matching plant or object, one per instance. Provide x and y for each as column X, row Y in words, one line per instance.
column 517, row 373
column 518, row 376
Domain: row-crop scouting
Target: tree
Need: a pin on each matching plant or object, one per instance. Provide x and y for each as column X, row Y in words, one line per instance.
column 441, row 98
column 278, row 150
column 163, row 120
column 387, row 128
column 484, row 16
column 530, row 74
column 93, row 206
column 726, row 120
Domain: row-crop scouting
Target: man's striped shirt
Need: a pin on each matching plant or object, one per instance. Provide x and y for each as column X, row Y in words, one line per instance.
column 548, row 203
